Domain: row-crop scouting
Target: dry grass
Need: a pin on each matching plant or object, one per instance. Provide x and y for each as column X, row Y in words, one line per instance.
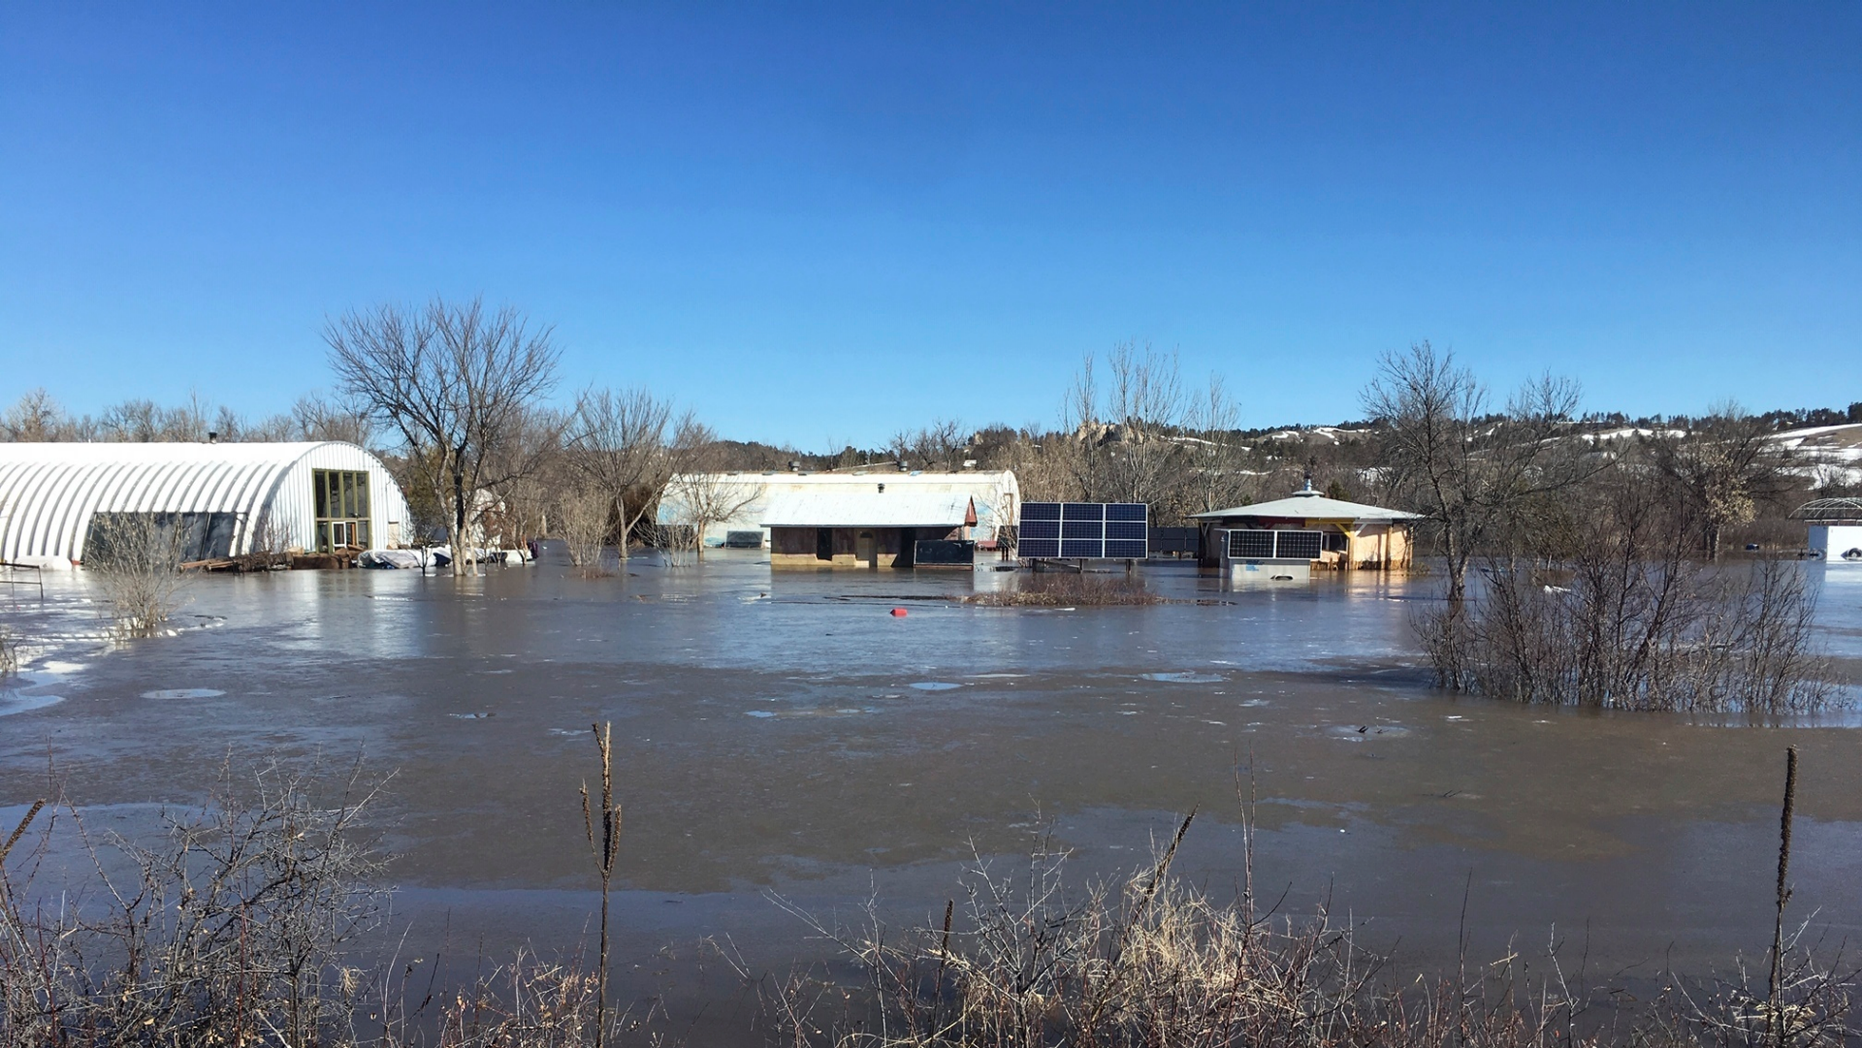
column 238, row 925
column 1023, row 960
column 1069, row 589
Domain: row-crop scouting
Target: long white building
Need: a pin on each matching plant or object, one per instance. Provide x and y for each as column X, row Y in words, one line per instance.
column 231, row 498
column 756, row 501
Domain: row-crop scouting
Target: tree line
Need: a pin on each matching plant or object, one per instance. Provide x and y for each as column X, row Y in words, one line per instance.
column 461, row 400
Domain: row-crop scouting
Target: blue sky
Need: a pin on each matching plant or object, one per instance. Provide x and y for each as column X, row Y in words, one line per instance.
column 821, row 224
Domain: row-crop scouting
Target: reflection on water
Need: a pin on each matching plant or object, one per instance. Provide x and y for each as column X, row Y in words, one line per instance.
column 784, row 731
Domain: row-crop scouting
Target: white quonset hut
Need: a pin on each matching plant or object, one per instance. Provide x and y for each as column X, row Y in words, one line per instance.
column 231, row 498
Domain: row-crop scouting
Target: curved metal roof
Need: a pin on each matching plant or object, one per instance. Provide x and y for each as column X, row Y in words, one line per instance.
column 1827, row 511
column 49, row 491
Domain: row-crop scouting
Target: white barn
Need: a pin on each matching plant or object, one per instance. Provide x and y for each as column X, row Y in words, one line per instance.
column 232, row 498
column 758, row 500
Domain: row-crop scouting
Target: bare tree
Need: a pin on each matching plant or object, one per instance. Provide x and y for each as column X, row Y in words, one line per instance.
column 1469, row 471
column 455, row 384
column 1141, row 435
column 582, row 514
column 1215, row 477
column 1724, row 466
column 137, row 557
column 36, row 417
column 619, row 442
column 316, row 417
column 699, row 493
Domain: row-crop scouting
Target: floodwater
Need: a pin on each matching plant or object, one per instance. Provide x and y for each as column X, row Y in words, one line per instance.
column 786, row 734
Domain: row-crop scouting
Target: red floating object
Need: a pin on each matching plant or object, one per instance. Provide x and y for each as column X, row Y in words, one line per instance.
column 898, row 613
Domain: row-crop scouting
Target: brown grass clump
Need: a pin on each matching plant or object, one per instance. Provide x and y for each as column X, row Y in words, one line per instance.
column 1023, row 961
column 1068, row 589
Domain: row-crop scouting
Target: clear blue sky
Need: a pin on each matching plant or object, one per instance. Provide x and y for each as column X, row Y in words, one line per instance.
column 820, row 224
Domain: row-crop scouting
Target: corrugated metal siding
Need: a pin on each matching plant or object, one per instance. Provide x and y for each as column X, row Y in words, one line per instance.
column 48, row 492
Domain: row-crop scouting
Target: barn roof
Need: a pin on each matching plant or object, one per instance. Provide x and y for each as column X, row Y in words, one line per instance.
column 1310, row 505
column 867, row 508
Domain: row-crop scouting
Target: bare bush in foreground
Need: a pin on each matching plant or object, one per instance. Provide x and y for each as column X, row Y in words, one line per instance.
column 227, row 929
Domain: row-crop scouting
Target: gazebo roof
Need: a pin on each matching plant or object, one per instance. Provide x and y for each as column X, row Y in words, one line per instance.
column 1310, row 505
column 1828, row 511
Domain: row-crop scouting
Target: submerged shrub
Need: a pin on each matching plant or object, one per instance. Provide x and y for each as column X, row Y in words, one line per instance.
column 1613, row 610
column 1069, row 589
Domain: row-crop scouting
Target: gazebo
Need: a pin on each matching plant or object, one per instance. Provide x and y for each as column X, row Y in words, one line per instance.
column 1307, row 527
column 1835, row 527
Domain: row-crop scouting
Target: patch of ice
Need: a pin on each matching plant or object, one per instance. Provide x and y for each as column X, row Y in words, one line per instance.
column 759, row 713
column 183, row 693
column 13, row 702
column 935, row 685
column 1186, row 677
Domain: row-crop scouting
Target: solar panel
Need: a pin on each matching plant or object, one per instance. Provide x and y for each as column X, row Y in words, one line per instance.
column 1085, row 530
column 1287, row 545
column 1302, row 544
column 1250, row 545
column 1040, row 529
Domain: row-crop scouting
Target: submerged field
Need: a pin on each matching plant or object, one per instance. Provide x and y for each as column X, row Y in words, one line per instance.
column 785, row 734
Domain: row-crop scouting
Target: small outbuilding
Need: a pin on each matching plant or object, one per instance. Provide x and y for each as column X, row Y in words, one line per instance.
column 1287, row 538
column 1835, row 527
column 863, row 528
column 226, row 499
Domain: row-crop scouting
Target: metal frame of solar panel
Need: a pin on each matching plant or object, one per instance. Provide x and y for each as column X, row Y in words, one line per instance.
column 1085, row 531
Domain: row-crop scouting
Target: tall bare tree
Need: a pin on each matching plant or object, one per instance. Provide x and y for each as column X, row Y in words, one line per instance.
column 455, row 384
column 620, row 442
column 1469, row 470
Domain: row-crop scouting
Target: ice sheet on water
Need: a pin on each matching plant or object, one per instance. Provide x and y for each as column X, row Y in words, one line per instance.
column 13, row 702
column 1186, row 677
column 935, row 685
column 183, row 693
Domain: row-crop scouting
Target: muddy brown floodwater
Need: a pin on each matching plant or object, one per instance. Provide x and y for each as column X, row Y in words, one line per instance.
column 785, row 734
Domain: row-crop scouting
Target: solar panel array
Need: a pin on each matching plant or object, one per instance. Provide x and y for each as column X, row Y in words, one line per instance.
column 1085, row 530
column 1263, row 545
